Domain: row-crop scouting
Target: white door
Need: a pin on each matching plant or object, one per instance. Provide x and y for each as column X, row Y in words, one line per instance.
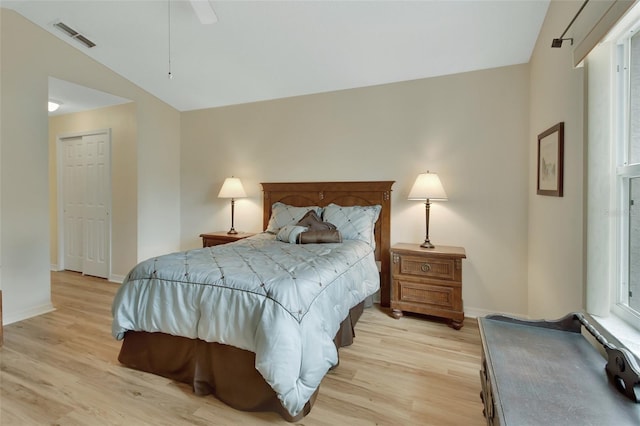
column 73, row 201
column 97, row 189
column 86, row 194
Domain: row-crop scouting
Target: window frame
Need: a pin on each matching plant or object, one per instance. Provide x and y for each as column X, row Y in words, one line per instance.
column 622, row 173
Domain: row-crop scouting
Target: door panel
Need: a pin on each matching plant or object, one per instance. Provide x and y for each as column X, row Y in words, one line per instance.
column 96, row 205
column 86, row 204
column 73, row 179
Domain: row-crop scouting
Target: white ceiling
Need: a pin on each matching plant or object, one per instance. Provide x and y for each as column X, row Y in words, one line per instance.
column 74, row 98
column 260, row 50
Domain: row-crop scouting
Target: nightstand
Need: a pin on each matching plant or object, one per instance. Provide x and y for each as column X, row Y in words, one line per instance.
column 427, row 281
column 217, row 238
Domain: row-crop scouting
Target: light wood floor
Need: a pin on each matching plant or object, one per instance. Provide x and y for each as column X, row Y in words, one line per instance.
column 61, row 369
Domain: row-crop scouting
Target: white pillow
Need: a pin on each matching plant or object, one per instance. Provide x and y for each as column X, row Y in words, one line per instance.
column 284, row 214
column 353, row 222
column 289, row 233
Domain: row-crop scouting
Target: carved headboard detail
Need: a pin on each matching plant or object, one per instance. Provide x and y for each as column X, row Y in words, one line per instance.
column 344, row 194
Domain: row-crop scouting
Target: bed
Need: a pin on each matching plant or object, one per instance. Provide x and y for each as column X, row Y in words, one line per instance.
column 260, row 320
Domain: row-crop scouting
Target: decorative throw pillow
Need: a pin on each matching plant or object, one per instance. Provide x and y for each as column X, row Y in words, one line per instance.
column 354, row 222
column 318, row 237
column 290, row 233
column 312, row 221
column 284, row 214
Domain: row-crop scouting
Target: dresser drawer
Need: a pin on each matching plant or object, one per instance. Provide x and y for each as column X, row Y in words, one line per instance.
column 427, row 267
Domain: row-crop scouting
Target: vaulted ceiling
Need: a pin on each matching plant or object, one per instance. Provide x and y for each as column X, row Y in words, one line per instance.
column 260, row 50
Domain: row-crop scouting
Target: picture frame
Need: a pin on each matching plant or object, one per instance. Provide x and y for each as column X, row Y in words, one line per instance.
column 551, row 161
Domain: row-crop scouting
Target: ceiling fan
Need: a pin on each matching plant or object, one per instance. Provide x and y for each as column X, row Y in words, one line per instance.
column 206, row 15
column 204, row 11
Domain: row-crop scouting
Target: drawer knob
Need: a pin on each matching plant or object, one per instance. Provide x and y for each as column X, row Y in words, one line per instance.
column 425, row 267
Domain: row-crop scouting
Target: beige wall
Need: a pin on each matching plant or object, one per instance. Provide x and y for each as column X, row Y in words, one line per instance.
column 470, row 128
column 139, row 228
column 24, row 190
column 158, row 179
column 477, row 130
column 556, row 225
column 28, row 60
column 121, row 120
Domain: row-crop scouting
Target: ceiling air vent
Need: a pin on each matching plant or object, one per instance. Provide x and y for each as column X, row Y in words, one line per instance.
column 74, row 34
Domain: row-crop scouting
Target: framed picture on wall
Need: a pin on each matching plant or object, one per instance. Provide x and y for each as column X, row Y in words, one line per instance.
column 551, row 161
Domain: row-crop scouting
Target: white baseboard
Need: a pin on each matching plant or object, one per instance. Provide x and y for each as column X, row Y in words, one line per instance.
column 471, row 312
column 11, row 317
column 116, row 278
column 112, row 277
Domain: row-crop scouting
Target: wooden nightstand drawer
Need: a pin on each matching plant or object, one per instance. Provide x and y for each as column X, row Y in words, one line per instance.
column 426, row 294
column 430, row 267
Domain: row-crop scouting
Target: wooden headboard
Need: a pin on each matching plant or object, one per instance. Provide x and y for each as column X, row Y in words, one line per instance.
column 345, row 194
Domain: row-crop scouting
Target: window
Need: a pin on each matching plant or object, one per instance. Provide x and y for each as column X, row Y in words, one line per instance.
column 627, row 172
column 633, row 298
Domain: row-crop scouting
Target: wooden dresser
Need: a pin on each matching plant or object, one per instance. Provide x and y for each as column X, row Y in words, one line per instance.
column 548, row 373
column 221, row 237
column 427, row 281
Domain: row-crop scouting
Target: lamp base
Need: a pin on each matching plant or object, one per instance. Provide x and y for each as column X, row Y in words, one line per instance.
column 232, row 231
column 427, row 244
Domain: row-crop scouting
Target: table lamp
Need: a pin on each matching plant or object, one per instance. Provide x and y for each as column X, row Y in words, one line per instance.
column 427, row 187
column 232, row 188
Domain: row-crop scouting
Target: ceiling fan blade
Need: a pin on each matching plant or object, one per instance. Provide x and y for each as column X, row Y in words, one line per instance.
column 204, row 11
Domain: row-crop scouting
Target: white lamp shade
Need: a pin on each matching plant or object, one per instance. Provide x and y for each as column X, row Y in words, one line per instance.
column 427, row 187
column 232, row 188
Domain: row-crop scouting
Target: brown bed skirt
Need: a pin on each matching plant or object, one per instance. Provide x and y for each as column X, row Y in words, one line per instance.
column 212, row 368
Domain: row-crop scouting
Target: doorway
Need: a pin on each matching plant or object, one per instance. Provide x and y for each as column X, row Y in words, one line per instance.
column 84, row 202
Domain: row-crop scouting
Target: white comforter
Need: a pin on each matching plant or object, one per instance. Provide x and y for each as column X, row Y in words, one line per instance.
column 284, row 302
